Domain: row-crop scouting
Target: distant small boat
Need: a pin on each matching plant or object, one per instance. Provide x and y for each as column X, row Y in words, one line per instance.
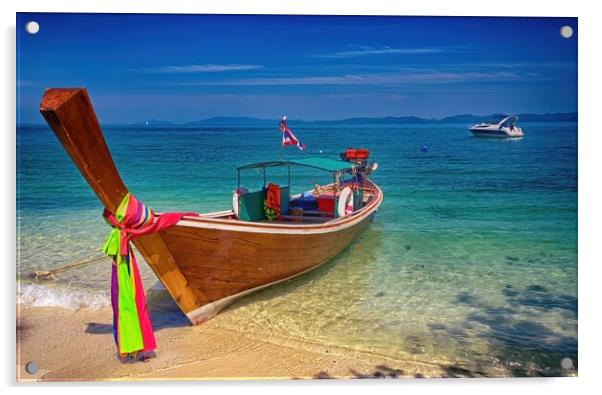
column 207, row 261
column 503, row 129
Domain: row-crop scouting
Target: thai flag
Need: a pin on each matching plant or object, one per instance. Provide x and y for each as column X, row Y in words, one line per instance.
column 288, row 138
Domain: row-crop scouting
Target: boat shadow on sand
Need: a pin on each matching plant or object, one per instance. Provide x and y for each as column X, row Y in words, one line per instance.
column 164, row 313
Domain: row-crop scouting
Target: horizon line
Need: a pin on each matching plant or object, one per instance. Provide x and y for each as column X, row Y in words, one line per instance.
column 431, row 119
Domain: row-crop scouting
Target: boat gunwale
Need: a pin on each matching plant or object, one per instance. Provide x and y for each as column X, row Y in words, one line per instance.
column 234, row 224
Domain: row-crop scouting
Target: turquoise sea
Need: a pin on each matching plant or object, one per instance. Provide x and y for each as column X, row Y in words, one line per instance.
column 471, row 262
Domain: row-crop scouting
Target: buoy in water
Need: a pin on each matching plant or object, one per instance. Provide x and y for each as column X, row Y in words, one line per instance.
column 424, row 148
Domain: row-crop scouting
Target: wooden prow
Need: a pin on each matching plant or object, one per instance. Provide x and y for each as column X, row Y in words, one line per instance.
column 70, row 115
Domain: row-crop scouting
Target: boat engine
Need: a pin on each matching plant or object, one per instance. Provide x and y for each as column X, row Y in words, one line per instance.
column 359, row 156
column 356, row 155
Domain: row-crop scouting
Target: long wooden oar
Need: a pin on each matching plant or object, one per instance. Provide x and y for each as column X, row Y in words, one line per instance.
column 44, row 274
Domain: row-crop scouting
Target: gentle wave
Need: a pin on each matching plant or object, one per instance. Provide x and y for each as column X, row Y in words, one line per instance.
column 36, row 295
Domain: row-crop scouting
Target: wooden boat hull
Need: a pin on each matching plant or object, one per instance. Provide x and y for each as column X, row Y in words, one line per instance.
column 228, row 263
column 206, row 262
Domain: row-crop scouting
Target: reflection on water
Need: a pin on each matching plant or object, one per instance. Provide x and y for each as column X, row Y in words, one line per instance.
column 470, row 263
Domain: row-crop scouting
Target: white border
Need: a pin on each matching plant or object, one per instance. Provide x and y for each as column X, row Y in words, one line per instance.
column 590, row 259
column 332, row 7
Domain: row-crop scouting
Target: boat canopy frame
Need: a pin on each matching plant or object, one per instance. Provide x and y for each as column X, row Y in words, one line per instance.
column 336, row 167
column 326, row 164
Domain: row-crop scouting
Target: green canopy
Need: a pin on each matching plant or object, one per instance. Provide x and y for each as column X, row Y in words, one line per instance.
column 327, row 164
column 324, row 164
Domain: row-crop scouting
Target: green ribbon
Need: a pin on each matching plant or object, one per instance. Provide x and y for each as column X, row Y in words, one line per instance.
column 128, row 324
column 111, row 246
column 129, row 331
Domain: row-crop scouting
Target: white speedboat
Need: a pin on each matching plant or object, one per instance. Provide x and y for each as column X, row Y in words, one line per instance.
column 505, row 128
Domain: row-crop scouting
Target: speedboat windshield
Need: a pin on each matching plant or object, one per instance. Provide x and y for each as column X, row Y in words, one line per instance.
column 508, row 121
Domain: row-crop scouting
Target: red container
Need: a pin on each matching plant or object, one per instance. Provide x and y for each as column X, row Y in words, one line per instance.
column 357, row 153
column 325, row 203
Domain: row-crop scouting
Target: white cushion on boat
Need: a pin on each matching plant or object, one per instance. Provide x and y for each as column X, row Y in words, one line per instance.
column 240, row 191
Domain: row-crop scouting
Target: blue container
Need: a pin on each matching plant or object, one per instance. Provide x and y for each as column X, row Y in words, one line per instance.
column 306, row 203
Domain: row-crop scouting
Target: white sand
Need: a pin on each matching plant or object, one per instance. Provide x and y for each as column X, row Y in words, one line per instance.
column 78, row 346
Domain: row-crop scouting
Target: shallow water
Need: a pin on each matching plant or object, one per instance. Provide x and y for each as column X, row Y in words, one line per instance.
column 470, row 263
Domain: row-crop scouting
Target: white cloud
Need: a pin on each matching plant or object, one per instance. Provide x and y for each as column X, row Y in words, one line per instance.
column 431, row 77
column 363, row 50
column 199, row 68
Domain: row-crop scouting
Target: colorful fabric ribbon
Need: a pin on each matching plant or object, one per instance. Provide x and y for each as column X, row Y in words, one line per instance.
column 131, row 323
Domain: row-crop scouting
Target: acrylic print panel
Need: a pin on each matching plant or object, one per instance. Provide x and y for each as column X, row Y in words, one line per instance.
column 295, row 197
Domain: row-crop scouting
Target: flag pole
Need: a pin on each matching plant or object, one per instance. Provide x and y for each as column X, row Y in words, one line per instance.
column 282, row 137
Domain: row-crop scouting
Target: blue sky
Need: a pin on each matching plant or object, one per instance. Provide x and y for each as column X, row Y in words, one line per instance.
column 188, row 67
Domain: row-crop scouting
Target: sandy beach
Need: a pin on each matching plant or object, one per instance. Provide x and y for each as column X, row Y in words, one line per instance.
column 78, row 346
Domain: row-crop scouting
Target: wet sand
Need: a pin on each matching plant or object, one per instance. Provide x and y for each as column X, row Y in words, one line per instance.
column 78, row 346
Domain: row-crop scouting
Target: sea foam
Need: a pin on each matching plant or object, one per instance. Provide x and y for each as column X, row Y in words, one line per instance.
column 37, row 295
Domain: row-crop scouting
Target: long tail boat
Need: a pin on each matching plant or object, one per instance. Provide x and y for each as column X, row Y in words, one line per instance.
column 208, row 261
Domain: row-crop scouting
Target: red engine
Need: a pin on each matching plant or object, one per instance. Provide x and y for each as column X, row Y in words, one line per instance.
column 356, row 155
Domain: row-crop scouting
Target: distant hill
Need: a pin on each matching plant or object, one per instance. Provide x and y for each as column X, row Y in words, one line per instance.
column 467, row 118
column 383, row 120
column 231, row 121
column 556, row 117
column 527, row 117
column 462, row 118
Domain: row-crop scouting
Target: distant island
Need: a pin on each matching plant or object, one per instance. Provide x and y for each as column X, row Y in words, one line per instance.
column 463, row 118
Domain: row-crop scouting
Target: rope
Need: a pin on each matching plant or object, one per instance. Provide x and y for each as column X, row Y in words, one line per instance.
column 42, row 274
